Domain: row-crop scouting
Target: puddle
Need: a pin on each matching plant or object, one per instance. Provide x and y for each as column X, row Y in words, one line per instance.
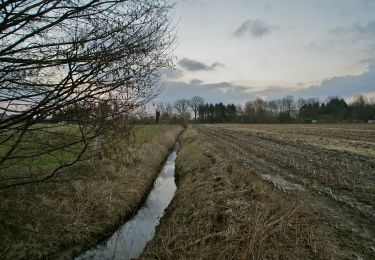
column 280, row 182
column 129, row 241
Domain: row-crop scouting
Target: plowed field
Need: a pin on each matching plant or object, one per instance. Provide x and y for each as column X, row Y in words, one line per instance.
column 328, row 167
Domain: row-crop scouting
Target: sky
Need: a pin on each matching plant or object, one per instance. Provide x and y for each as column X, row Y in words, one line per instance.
column 239, row 50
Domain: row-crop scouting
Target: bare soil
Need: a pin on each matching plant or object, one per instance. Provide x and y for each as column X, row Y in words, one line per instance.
column 225, row 209
column 328, row 167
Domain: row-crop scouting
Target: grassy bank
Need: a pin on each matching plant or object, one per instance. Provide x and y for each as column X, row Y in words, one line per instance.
column 84, row 204
column 222, row 210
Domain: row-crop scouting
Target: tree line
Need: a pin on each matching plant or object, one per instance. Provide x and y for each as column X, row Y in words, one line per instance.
column 310, row 110
column 284, row 110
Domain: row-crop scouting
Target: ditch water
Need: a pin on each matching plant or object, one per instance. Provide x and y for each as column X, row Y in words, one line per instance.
column 129, row 241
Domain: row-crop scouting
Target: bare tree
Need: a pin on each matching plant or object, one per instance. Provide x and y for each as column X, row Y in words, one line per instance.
column 288, row 105
column 165, row 110
column 99, row 59
column 168, row 110
column 181, row 105
column 194, row 104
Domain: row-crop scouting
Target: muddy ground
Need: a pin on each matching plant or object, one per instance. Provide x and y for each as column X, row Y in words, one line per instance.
column 271, row 192
column 330, row 168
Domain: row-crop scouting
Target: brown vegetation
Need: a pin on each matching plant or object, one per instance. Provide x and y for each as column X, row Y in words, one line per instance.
column 223, row 210
column 79, row 207
column 328, row 167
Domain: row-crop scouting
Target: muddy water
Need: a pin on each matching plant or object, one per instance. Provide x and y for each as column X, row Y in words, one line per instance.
column 129, row 241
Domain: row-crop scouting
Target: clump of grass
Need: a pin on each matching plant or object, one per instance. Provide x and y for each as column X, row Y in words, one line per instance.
column 223, row 211
column 82, row 206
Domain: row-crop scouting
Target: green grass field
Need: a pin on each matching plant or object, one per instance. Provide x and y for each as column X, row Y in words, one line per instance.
column 48, row 146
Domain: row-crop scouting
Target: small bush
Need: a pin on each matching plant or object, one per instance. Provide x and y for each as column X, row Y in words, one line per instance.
column 183, row 119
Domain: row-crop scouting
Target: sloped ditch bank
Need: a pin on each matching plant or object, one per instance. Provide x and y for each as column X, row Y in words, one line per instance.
column 130, row 239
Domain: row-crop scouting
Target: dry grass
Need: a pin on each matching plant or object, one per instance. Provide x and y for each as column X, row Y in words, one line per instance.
column 43, row 220
column 223, row 211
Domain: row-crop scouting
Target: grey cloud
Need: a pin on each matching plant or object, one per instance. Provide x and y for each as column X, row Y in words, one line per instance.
column 196, row 82
column 193, row 65
column 172, row 73
column 368, row 60
column 214, row 92
column 367, row 30
column 275, row 92
column 253, row 28
column 343, row 86
column 227, row 88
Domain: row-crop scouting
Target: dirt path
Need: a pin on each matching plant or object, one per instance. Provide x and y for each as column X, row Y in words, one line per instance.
column 339, row 185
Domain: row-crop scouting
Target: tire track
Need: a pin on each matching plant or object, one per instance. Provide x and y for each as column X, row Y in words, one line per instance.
column 352, row 219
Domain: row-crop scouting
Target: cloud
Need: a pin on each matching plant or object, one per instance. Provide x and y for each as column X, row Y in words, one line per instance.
column 275, row 92
column 172, row 73
column 364, row 31
column 193, row 65
column 212, row 92
column 368, row 60
column 196, row 82
column 343, row 86
column 253, row 28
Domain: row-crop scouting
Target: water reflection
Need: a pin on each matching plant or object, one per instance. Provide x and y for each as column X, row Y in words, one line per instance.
column 129, row 241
